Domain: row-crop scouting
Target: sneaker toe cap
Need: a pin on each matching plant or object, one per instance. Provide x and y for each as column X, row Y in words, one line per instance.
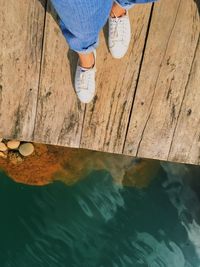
column 85, row 97
column 118, row 51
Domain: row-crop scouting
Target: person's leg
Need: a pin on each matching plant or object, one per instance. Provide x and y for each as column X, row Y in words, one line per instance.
column 119, row 26
column 86, row 57
column 120, row 6
column 81, row 22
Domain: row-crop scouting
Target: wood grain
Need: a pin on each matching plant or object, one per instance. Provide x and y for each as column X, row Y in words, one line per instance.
column 106, row 118
column 185, row 146
column 147, row 104
column 168, row 59
column 59, row 113
column 21, row 24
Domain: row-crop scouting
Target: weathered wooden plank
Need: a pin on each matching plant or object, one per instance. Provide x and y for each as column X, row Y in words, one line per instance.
column 185, row 145
column 59, row 113
column 168, row 58
column 21, row 24
column 107, row 116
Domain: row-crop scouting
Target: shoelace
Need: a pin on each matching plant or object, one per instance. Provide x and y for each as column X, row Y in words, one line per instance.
column 85, row 78
column 117, row 25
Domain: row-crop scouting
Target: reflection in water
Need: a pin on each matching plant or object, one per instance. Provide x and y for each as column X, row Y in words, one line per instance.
column 104, row 219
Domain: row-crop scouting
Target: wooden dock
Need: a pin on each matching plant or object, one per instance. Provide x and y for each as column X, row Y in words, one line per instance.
column 146, row 105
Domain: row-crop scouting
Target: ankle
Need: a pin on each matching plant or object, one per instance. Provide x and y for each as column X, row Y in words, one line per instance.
column 117, row 11
column 87, row 60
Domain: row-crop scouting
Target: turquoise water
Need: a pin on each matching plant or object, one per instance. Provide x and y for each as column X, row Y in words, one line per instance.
column 99, row 223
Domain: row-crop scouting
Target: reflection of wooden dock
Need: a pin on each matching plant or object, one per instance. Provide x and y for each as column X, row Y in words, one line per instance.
column 146, row 105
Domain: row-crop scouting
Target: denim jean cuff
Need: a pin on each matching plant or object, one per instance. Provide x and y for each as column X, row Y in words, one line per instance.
column 126, row 6
column 85, row 51
column 89, row 49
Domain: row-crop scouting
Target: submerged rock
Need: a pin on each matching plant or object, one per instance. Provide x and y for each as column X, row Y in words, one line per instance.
column 69, row 165
column 141, row 173
column 3, row 147
column 37, row 169
column 26, row 149
column 13, row 144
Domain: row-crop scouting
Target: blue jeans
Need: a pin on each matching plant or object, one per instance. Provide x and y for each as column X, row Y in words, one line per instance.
column 82, row 20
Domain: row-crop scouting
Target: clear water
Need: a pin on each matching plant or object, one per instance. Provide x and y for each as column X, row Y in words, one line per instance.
column 99, row 223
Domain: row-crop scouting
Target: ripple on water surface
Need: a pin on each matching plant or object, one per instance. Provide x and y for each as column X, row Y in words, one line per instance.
column 97, row 222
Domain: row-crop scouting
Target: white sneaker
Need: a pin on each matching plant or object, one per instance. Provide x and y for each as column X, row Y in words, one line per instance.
column 119, row 35
column 85, row 82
